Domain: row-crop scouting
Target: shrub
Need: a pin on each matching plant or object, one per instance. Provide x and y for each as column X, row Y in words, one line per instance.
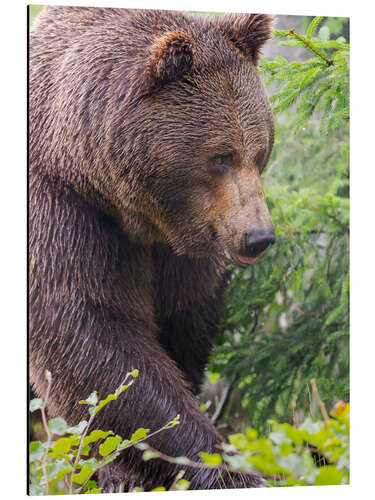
column 67, row 464
column 313, row 453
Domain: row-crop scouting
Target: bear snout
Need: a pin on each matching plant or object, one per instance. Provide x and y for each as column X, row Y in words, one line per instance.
column 257, row 240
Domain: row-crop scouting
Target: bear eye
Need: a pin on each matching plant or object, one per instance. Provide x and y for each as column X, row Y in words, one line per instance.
column 222, row 163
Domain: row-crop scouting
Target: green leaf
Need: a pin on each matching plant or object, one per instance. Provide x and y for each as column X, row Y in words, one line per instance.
column 95, row 435
column 84, row 474
column 287, row 101
column 139, row 434
column 77, row 429
column 113, row 397
column 63, row 445
column 334, row 336
column 238, row 440
column 91, row 400
column 85, row 451
column 238, row 462
column 324, row 33
column 90, row 484
column 251, row 434
column 59, row 469
column 330, row 44
column 285, row 449
column 309, row 77
column 310, row 427
column 280, row 60
column 36, row 451
column 92, row 462
column 280, row 33
column 57, row 426
column 313, row 26
column 104, row 402
column 211, row 459
column 159, row 488
column 279, row 436
column 182, row 485
column 334, row 314
column 109, row 445
column 329, row 475
column 214, row 377
column 36, row 404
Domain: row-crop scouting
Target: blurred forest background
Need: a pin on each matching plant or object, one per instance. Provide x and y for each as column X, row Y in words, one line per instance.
column 286, row 318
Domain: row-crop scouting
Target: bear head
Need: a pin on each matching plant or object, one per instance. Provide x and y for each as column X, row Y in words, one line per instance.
column 190, row 134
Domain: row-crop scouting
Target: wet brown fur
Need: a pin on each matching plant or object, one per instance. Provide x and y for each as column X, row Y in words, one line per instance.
column 128, row 224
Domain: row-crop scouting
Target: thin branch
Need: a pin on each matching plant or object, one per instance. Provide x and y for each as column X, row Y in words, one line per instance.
column 256, row 319
column 45, row 425
column 320, row 402
column 223, row 400
column 84, row 434
column 302, row 39
column 81, row 440
column 195, row 465
column 116, row 452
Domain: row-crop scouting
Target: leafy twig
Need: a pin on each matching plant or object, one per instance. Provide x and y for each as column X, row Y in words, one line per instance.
column 308, row 44
column 190, row 463
column 179, row 476
column 117, row 451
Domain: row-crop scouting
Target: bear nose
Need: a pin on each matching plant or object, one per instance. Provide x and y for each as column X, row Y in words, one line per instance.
column 257, row 240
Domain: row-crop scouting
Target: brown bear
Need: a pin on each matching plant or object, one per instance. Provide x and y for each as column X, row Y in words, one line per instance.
column 148, row 134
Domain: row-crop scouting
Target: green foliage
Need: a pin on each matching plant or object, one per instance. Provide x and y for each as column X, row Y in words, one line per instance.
column 34, row 10
column 320, row 84
column 139, row 434
column 66, row 465
column 313, row 453
column 57, row 426
column 35, row 404
column 287, row 318
column 92, row 400
column 211, row 459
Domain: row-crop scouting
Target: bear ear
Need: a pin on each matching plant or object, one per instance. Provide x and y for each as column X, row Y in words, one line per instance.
column 248, row 32
column 170, row 58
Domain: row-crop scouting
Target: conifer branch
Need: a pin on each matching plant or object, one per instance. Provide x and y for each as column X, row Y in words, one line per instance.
column 308, row 44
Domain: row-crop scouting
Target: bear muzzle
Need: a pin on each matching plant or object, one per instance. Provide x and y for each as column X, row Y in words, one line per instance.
column 254, row 244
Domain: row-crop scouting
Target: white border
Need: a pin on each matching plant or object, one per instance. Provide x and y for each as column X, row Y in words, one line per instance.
column 13, row 256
